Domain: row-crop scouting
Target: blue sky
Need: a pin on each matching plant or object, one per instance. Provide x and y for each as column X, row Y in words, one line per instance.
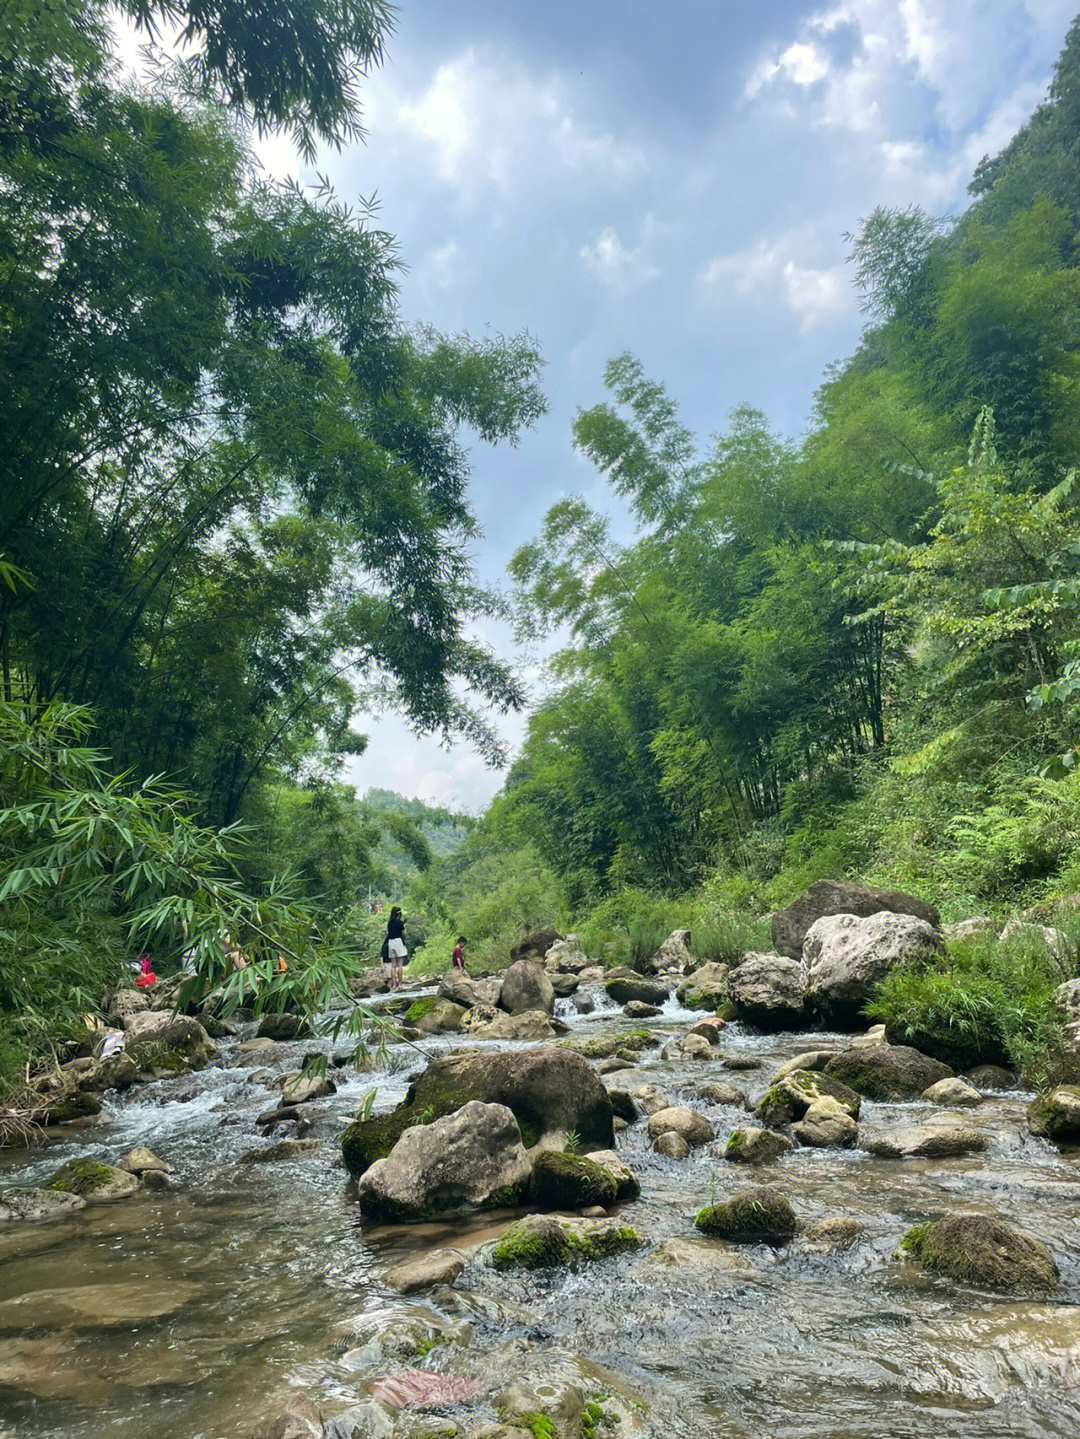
column 675, row 181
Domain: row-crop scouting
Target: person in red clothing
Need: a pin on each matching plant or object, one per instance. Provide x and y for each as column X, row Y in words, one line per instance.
column 146, row 976
column 459, row 954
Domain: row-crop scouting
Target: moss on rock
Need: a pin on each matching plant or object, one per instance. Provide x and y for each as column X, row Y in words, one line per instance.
column 1056, row 1115
column 91, row 1179
column 789, row 1097
column 418, row 1010
column 569, row 1181
column 753, row 1216
column 540, row 1241
column 77, row 1105
column 983, row 1250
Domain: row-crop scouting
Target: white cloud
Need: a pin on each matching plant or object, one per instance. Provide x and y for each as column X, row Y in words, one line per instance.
column 488, row 120
column 766, row 270
column 614, row 264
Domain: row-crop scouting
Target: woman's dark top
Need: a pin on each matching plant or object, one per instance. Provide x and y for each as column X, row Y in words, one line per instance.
column 395, row 929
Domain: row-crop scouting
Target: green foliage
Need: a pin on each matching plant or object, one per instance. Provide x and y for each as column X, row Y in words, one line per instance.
column 991, row 1003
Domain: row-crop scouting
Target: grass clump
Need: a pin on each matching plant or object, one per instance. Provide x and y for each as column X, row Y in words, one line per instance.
column 990, row 1002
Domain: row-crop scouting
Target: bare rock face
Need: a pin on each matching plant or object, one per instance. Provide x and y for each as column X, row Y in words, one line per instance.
column 424, row 1271
column 887, row 1071
column 942, row 1140
column 673, row 954
column 535, row 945
column 829, row 896
column 472, row 1159
column 694, row 1128
column 705, row 988
column 526, row 986
column 460, row 989
column 528, row 1024
column 826, row 1125
column 768, row 990
column 33, row 1205
column 846, row 956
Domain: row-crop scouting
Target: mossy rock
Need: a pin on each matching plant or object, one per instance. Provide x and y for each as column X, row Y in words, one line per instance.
column 418, row 1010
column 569, row 1181
column 283, row 1026
column 756, row 1146
column 887, row 1071
column 366, row 1140
column 753, row 1216
column 77, row 1105
column 983, row 1250
column 93, row 1181
column 789, row 1097
column 540, row 1241
column 1056, row 1115
column 175, row 1048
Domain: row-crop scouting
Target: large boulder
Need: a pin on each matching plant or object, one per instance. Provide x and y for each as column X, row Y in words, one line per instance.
column 829, row 896
column 753, row 1216
column 530, row 1024
column 887, row 1071
column 705, row 988
column 535, row 945
column 768, row 990
column 526, row 986
column 435, row 1015
column 566, row 958
column 756, row 1146
column 826, row 1125
column 460, row 989
column 982, row 1249
column 673, row 954
column 472, row 1159
column 551, row 1091
column 1056, row 1115
column 846, row 956
column 283, row 1026
column 622, row 989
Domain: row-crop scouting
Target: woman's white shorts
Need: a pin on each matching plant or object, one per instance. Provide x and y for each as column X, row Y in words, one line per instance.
column 397, row 949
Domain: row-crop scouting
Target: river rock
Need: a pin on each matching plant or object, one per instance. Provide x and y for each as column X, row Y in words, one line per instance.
column 756, row 1146
column 280, row 1026
column 827, row 1124
column 622, row 1105
column 622, row 989
column 141, row 1161
column 846, row 956
column 626, row 1181
column 827, row 897
column 76, row 1104
column 526, row 986
column 704, row 988
column 566, row 958
column 709, row 1027
column 789, row 1097
column 560, row 1406
column 27, row 1204
column 551, row 1091
column 887, row 1071
column 1067, row 999
column 687, row 1124
column 742, row 1062
column 530, row 1024
column 637, row 1009
column 832, row 1236
column 1055, row 941
column 570, row 1181
column 125, row 1002
column 541, row 1241
column 472, row 1159
column 983, row 1250
column 991, row 1076
column 768, row 990
column 688, row 1046
column 673, row 954
column 671, row 1145
column 753, row 1216
column 294, row 1417
column 93, row 1181
column 812, row 1059
column 121, row 1304
column 942, row 1140
column 720, row 1093
column 460, row 989
column 584, row 1003
column 424, row 1271
column 1056, row 1115
column 953, row 1092
column 301, row 1088
column 967, row 928
column 564, row 985
column 535, row 945
column 279, row 1150
column 436, row 1016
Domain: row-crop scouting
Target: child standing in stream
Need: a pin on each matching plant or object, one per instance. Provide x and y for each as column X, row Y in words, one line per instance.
column 458, row 956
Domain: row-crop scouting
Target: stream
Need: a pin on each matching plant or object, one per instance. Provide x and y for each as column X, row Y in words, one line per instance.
column 183, row 1314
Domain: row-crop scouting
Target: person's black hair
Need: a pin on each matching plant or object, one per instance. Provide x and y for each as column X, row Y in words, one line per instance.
column 395, row 912
column 461, row 939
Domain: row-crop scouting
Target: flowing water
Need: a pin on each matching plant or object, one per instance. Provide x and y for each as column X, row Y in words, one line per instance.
column 187, row 1314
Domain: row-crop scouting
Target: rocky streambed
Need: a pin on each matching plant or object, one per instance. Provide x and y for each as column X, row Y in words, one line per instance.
column 253, row 1294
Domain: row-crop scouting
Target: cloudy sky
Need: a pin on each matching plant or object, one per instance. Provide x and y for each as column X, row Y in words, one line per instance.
column 672, row 180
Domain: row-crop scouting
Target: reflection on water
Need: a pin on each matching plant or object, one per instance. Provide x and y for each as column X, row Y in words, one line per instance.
column 179, row 1314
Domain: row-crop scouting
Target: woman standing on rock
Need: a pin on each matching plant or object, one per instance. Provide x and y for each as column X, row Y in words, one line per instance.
column 395, row 944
